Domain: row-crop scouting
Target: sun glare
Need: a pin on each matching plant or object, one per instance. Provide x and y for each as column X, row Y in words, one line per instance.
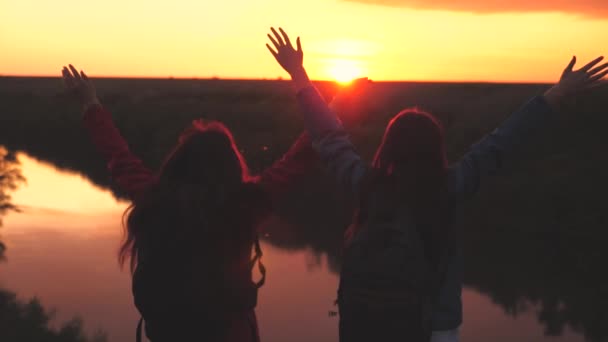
column 344, row 71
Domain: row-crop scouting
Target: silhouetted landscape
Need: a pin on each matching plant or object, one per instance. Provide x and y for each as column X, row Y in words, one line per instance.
column 535, row 236
column 28, row 320
column 10, row 178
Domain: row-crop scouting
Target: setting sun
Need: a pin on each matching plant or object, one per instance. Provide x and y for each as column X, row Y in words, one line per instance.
column 498, row 41
column 344, row 71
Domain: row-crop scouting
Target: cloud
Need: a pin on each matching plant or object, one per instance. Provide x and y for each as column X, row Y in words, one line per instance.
column 594, row 8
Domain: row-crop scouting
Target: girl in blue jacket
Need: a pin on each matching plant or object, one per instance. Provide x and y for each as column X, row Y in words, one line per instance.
column 401, row 278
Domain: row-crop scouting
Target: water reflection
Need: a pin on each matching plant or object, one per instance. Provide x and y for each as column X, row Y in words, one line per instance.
column 65, row 254
column 557, row 277
column 28, row 320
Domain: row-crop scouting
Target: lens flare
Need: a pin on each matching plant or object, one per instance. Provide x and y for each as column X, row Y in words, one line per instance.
column 344, row 70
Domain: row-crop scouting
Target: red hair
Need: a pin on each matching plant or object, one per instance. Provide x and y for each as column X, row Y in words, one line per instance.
column 200, row 186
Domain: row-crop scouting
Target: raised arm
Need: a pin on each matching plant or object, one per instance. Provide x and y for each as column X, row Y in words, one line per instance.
column 126, row 169
column 299, row 160
column 301, row 157
column 329, row 138
column 485, row 157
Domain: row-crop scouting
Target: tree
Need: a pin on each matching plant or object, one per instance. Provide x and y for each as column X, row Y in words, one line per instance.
column 10, row 178
column 29, row 321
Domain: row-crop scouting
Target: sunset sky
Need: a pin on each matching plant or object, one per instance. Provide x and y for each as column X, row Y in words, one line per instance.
column 430, row 40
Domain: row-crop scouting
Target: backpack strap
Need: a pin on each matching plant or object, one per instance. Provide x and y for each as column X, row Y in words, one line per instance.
column 258, row 258
column 138, row 330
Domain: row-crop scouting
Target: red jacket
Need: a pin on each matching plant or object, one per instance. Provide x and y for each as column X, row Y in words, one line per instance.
column 132, row 176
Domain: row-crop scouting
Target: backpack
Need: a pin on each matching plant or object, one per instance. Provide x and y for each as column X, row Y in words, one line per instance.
column 216, row 302
column 386, row 282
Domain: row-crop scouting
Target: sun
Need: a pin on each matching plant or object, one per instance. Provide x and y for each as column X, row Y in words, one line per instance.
column 344, row 70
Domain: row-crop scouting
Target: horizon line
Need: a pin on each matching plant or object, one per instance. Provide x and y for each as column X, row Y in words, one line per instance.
column 277, row 79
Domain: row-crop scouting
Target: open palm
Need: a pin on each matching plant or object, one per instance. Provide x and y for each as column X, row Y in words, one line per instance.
column 586, row 77
column 289, row 58
column 79, row 85
column 574, row 81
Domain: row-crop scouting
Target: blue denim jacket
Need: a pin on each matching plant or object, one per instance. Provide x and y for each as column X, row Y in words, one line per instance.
column 483, row 158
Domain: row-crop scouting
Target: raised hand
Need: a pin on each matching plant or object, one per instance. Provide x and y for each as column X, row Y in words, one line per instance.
column 572, row 82
column 289, row 58
column 79, row 85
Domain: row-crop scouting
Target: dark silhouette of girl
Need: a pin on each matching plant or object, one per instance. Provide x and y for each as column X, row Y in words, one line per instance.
column 191, row 227
column 401, row 277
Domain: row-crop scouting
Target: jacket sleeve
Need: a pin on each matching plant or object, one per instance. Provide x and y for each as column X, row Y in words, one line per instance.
column 292, row 167
column 127, row 170
column 486, row 157
column 331, row 141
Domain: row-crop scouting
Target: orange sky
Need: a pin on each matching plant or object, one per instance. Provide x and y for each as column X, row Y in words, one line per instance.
column 400, row 40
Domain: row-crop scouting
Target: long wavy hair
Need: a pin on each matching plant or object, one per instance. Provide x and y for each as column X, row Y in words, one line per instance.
column 196, row 199
column 410, row 168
